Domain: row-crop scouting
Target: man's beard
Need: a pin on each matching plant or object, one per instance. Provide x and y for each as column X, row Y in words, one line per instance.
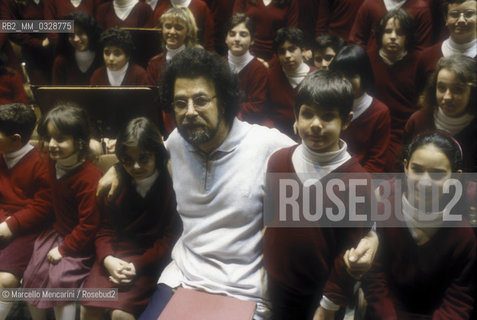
column 200, row 135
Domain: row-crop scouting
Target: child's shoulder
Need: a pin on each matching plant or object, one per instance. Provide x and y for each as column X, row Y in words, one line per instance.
column 281, row 160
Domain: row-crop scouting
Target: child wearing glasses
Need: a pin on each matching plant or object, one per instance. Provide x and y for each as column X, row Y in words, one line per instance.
column 138, row 229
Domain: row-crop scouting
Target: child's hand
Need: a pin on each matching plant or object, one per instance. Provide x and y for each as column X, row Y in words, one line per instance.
column 324, row 314
column 120, row 271
column 54, row 255
column 5, row 232
column 359, row 260
column 129, row 272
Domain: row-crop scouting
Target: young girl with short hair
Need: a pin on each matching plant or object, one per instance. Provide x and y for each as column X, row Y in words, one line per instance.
column 139, row 228
column 63, row 254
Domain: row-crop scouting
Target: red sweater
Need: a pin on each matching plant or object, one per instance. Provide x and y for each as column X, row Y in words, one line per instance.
column 268, row 19
column 135, row 76
column 254, row 83
column 368, row 136
column 337, row 17
column 426, row 64
column 434, row 280
column 221, row 13
column 25, row 193
column 395, row 86
column 66, row 71
column 203, row 19
column 11, row 88
column 309, row 261
column 423, row 120
column 76, row 212
column 372, row 10
column 30, row 11
column 150, row 223
column 155, row 67
column 141, row 16
column 58, row 9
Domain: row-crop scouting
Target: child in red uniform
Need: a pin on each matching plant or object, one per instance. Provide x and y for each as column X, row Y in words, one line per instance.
column 79, row 54
column 424, row 269
column 124, row 14
column 369, row 132
column 25, row 195
column 252, row 73
column 11, row 84
column 117, row 48
column 324, row 50
column 139, row 229
column 63, row 255
column 305, row 266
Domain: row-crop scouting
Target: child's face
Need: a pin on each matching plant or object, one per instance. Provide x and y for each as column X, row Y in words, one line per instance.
column 138, row 163
column 60, row 146
column 114, row 58
column 452, row 95
column 9, row 143
column 290, row 56
column 79, row 39
column 174, row 33
column 322, row 58
column 320, row 128
column 461, row 21
column 238, row 39
column 393, row 41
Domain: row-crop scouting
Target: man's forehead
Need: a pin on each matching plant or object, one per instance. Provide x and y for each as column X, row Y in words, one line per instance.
column 194, row 85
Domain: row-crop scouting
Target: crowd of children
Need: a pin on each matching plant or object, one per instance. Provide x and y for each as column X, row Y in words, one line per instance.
column 370, row 86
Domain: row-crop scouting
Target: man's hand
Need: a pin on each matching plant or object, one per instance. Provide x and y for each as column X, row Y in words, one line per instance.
column 108, row 184
column 360, row 259
column 54, row 255
column 323, row 314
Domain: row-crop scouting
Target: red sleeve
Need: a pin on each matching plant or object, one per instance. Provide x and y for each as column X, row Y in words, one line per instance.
column 147, row 16
column 257, row 91
column 322, row 21
column 8, row 12
column 50, row 13
column 209, row 29
column 100, row 15
column 361, row 30
column 98, row 77
column 18, row 91
column 377, row 155
column 293, row 13
column 424, row 29
column 104, row 239
column 240, row 6
column 38, row 208
column 88, row 215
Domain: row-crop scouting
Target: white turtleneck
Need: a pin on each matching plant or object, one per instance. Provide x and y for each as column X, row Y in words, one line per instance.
column 449, row 48
column 36, row 1
column 182, row 3
column 306, row 161
column 393, row 4
column 171, row 53
column 361, row 104
column 450, row 124
column 84, row 59
column 63, row 166
column 297, row 76
column 422, row 225
column 237, row 63
column 143, row 186
column 116, row 77
column 267, row 2
column 123, row 8
column 388, row 60
column 12, row 158
column 153, row 4
column 75, row 3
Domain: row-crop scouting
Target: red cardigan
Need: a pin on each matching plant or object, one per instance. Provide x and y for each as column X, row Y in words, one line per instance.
column 58, row 9
column 25, row 193
column 368, row 136
column 76, row 211
column 141, row 16
column 221, row 13
column 135, row 76
column 337, row 17
column 309, row 261
column 66, row 71
column 155, row 67
column 372, row 10
column 268, row 19
column 434, row 280
column 203, row 19
column 133, row 222
column 11, row 88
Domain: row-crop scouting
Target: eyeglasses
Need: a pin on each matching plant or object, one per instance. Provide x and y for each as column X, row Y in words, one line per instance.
column 141, row 161
column 457, row 14
column 198, row 102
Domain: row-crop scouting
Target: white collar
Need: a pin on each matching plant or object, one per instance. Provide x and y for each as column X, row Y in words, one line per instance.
column 393, row 4
column 450, row 124
column 297, row 76
column 182, row 3
column 171, row 53
column 12, row 158
column 153, row 4
column 64, row 166
column 449, row 48
column 37, row 2
column 387, row 60
column 267, row 2
column 306, row 161
column 75, row 3
column 237, row 63
column 143, row 186
column 84, row 59
column 123, row 8
column 361, row 104
column 116, row 77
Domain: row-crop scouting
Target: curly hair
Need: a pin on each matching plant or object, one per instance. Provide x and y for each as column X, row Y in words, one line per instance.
column 118, row 38
column 196, row 62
